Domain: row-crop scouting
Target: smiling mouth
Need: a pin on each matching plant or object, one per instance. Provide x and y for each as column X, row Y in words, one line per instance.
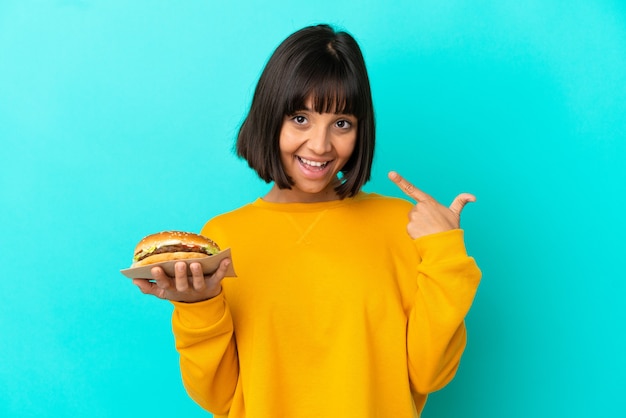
column 313, row 165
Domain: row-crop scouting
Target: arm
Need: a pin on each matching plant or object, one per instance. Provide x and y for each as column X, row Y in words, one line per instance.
column 447, row 282
column 436, row 335
column 203, row 329
column 208, row 353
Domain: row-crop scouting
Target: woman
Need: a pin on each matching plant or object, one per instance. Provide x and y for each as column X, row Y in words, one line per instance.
column 340, row 308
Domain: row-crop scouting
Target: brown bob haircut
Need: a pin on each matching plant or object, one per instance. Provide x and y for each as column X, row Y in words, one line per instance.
column 328, row 66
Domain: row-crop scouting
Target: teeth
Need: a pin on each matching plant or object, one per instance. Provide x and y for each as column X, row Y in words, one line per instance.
column 313, row 163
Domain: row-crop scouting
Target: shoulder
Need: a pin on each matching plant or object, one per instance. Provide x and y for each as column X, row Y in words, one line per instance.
column 379, row 202
column 227, row 221
column 378, row 211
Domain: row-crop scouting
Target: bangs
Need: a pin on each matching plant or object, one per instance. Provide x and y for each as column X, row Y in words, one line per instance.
column 332, row 88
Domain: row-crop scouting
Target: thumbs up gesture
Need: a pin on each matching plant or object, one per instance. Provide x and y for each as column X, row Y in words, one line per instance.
column 428, row 216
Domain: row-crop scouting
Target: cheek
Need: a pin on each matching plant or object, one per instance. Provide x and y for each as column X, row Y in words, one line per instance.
column 345, row 147
column 288, row 143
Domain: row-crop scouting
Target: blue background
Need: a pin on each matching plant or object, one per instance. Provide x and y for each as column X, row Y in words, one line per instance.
column 117, row 119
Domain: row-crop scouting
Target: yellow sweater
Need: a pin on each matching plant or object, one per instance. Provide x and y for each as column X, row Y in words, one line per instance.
column 336, row 312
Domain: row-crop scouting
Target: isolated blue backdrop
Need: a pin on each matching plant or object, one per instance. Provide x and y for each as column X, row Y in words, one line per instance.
column 117, row 119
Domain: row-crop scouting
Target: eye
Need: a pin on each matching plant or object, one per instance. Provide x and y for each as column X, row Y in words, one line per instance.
column 343, row 124
column 299, row 119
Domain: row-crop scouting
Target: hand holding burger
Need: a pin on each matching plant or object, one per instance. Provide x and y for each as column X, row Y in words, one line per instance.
column 189, row 283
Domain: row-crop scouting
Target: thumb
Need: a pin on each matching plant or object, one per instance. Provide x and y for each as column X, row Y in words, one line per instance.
column 222, row 270
column 460, row 201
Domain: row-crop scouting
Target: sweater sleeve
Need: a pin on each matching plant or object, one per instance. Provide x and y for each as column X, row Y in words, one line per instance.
column 204, row 338
column 436, row 335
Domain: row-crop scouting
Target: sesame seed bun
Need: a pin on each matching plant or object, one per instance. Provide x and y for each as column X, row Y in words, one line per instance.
column 172, row 245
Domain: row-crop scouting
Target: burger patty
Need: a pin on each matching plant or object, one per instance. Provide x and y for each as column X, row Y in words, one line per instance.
column 175, row 249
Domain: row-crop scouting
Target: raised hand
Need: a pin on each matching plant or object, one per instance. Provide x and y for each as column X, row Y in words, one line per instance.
column 181, row 287
column 428, row 216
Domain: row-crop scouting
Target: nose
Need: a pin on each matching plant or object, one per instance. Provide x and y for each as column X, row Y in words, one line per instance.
column 319, row 141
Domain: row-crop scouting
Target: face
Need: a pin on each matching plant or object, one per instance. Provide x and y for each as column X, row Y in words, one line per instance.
column 313, row 149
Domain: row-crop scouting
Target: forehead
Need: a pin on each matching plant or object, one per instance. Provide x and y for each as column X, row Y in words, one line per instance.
column 325, row 99
column 315, row 104
column 330, row 86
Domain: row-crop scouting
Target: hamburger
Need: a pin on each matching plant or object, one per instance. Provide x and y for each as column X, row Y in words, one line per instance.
column 172, row 245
